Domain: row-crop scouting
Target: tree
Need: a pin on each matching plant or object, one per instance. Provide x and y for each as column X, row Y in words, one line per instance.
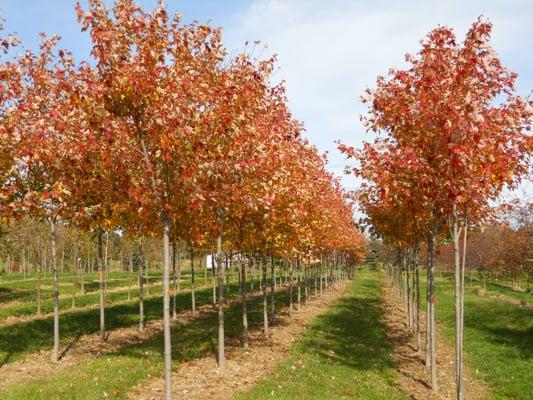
column 464, row 147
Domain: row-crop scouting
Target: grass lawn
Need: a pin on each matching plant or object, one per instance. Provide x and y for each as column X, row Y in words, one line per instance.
column 117, row 373
column 19, row 340
column 343, row 355
column 498, row 340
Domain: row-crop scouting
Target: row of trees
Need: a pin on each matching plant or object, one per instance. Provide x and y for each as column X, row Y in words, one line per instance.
column 451, row 134
column 162, row 134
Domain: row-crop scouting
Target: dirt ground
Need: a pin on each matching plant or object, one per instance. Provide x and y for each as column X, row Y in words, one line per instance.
column 413, row 376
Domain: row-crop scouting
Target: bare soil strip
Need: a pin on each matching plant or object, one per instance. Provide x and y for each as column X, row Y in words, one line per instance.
column 200, row 379
column 413, row 376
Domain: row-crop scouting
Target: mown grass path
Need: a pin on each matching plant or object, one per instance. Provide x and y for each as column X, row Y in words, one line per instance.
column 344, row 354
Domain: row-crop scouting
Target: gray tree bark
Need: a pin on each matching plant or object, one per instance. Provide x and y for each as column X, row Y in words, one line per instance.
column 55, row 351
column 166, row 307
column 174, row 305
column 101, row 283
column 272, row 290
column 265, row 300
column 242, row 271
column 431, row 287
column 193, row 285
column 220, row 281
column 140, row 274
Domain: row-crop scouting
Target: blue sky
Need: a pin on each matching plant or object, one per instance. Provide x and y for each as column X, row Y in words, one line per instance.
column 328, row 51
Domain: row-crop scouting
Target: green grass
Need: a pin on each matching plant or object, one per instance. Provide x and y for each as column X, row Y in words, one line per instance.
column 117, row 373
column 507, row 291
column 27, row 304
column 345, row 354
column 27, row 290
column 498, row 340
column 19, row 340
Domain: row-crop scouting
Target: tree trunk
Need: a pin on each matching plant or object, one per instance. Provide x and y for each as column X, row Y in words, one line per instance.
column 147, row 276
column 298, row 282
column 82, row 276
column 431, row 295
column 101, row 282
column 290, row 288
column 265, row 301
column 242, row 271
column 140, row 273
column 321, row 268
column 417, row 295
column 459, row 303
column 174, row 285
column 55, row 351
column 220, row 281
column 408, row 288
column 39, row 302
column 205, row 269
column 193, row 285
column 106, row 264
column 214, row 279
column 74, row 280
column 272, row 290
column 166, row 307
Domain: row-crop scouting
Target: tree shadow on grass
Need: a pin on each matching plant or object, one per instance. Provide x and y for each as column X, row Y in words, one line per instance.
column 502, row 323
column 8, row 295
column 18, row 340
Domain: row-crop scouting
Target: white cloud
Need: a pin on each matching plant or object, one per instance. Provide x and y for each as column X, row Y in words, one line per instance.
column 329, row 51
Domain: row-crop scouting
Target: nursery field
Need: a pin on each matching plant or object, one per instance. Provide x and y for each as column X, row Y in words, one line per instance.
column 345, row 351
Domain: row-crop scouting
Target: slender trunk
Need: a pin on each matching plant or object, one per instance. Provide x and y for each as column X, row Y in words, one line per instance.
column 82, row 277
column 417, row 297
column 220, row 279
column 131, row 275
column 214, row 280
column 101, row 282
column 432, row 327
column 428, row 312
column 166, row 307
column 272, row 290
column 290, row 288
column 106, row 264
column 193, row 285
column 265, row 302
column 74, row 280
column 306, row 281
column 242, row 271
column 408, row 290
column 205, row 269
column 298, row 282
column 459, row 305
column 140, row 274
column 146, row 276
column 55, row 351
column 321, row 274
column 174, row 294
column 39, row 302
